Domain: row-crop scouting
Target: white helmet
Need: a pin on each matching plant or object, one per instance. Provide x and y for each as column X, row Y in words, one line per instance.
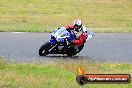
column 77, row 25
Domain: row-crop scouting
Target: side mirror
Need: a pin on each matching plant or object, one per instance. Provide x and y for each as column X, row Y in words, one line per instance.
column 90, row 34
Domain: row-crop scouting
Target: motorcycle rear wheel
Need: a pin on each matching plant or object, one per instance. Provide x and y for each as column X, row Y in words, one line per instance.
column 43, row 51
column 73, row 51
column 70, row 52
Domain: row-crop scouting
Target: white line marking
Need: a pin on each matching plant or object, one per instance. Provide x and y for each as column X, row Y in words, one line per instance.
column 17, row 32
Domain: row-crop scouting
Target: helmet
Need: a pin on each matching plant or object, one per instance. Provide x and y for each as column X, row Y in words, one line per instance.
column 77, row 25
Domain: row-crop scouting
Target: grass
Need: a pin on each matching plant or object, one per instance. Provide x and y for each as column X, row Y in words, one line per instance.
column 57, row 75
column 45, row 15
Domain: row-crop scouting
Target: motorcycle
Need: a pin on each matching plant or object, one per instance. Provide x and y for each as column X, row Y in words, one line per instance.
column 60, row 43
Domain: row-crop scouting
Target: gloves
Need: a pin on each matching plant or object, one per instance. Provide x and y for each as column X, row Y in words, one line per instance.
column 71, row 41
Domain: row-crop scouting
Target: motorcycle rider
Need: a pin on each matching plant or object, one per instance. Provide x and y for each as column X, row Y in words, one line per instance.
column 79, row 32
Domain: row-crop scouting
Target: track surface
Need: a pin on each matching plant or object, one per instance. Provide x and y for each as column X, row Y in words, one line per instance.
column 103, row 47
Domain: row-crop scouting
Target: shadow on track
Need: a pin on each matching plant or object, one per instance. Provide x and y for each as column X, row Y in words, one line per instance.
column 49, row 59
column 64, row 58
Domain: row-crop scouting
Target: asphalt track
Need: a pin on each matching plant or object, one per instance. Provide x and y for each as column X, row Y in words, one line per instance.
column 103, row 47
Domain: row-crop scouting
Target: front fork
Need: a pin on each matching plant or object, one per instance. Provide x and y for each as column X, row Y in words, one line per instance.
column 52, row 48
column 54, row 45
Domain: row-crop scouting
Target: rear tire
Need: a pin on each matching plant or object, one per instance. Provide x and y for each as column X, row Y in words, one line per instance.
column 43, row 51
column 80, row 48
column 71, row 52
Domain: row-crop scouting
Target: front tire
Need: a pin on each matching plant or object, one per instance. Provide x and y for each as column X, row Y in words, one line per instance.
column 43, row 51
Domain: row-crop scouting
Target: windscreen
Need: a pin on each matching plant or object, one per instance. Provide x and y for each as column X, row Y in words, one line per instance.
column 61, row 32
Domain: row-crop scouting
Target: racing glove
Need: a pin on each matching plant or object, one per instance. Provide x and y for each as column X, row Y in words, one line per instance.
column 71, row 41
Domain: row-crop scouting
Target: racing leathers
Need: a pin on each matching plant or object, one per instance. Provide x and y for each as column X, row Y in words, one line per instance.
column 80, row 36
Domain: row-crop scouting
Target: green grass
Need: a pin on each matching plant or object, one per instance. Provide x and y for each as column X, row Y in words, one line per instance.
column 57, row 75
column 45, row 15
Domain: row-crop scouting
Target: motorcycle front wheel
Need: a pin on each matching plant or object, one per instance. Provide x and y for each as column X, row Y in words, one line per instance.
column 43, row 51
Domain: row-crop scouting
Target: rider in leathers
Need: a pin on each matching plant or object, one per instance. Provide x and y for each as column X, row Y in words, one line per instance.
column 80, row 34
